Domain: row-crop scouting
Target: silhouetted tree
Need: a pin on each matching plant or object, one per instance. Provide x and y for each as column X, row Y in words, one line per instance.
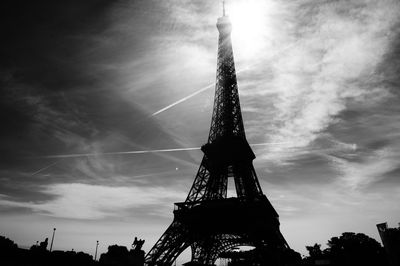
column 355, row 249
column 7, row 244
column 350, row 249
column 38, row 255
column 116, row 255
column 314, row 251
column 120, row 256
column 316, row 255
column 70, row 258
column 8, row 250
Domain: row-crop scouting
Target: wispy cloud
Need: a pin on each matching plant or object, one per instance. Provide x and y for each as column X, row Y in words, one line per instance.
column 372, row 168
column 337, row 50
column 82, row 201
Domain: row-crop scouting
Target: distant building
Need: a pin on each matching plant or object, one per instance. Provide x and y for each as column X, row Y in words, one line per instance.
column 391, row 241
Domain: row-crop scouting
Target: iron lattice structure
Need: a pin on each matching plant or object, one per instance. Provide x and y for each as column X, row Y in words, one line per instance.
column 208, row 221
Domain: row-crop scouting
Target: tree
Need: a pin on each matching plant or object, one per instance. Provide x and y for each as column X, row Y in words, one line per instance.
column 116, row 255
column 314, row 251
column 351, row 249
column 315, row 254
column 6, row 244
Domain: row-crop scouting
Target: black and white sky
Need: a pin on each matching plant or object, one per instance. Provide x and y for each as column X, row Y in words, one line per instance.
column 319, row 85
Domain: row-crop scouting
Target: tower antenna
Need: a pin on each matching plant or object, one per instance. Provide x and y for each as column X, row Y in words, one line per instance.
column 223, row 8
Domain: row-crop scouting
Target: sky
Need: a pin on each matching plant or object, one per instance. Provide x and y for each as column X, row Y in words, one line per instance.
column 319, row 86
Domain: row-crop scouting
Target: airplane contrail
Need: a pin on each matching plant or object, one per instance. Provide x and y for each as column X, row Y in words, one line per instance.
column 213, row 84
column 183, row 99
column 44, row 168
column 77, row 155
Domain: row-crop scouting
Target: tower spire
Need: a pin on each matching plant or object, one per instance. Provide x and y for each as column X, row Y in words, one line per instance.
column 223, row 8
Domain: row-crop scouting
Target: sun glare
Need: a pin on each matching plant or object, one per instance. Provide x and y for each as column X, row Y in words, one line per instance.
column 249, row 24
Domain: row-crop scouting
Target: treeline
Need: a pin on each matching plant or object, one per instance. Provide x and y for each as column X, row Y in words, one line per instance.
column 349, row 249
column 11, row 255
column 38, row 255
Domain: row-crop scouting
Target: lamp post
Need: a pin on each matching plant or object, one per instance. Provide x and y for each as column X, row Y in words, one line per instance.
column 95, row 254
column 52, row 239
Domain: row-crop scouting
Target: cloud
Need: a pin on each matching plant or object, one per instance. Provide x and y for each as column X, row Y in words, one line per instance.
column 315, row 79
column 372, row 168
column 315, row 64
column 83, row 201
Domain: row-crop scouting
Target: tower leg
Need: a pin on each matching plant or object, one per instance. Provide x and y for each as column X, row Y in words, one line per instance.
column 172, row 243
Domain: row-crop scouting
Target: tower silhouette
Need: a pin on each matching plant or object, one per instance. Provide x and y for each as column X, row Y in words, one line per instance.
column 208, row 221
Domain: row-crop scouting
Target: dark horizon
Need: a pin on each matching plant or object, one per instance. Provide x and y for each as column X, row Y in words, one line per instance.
column 347, row 249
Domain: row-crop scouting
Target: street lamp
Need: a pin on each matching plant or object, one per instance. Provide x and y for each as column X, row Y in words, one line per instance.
column 52, row 239
column 95, row 254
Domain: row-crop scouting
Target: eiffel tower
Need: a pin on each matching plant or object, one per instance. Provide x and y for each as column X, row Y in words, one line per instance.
column 208, row 221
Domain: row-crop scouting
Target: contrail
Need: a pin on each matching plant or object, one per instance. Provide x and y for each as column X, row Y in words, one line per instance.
column 184, row 99
column 44, row 168
column 213, row 84
column 77, row 155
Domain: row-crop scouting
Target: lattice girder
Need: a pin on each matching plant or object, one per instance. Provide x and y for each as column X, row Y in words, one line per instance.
column 172, row 243
column 208, row 221
column 227, row 117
